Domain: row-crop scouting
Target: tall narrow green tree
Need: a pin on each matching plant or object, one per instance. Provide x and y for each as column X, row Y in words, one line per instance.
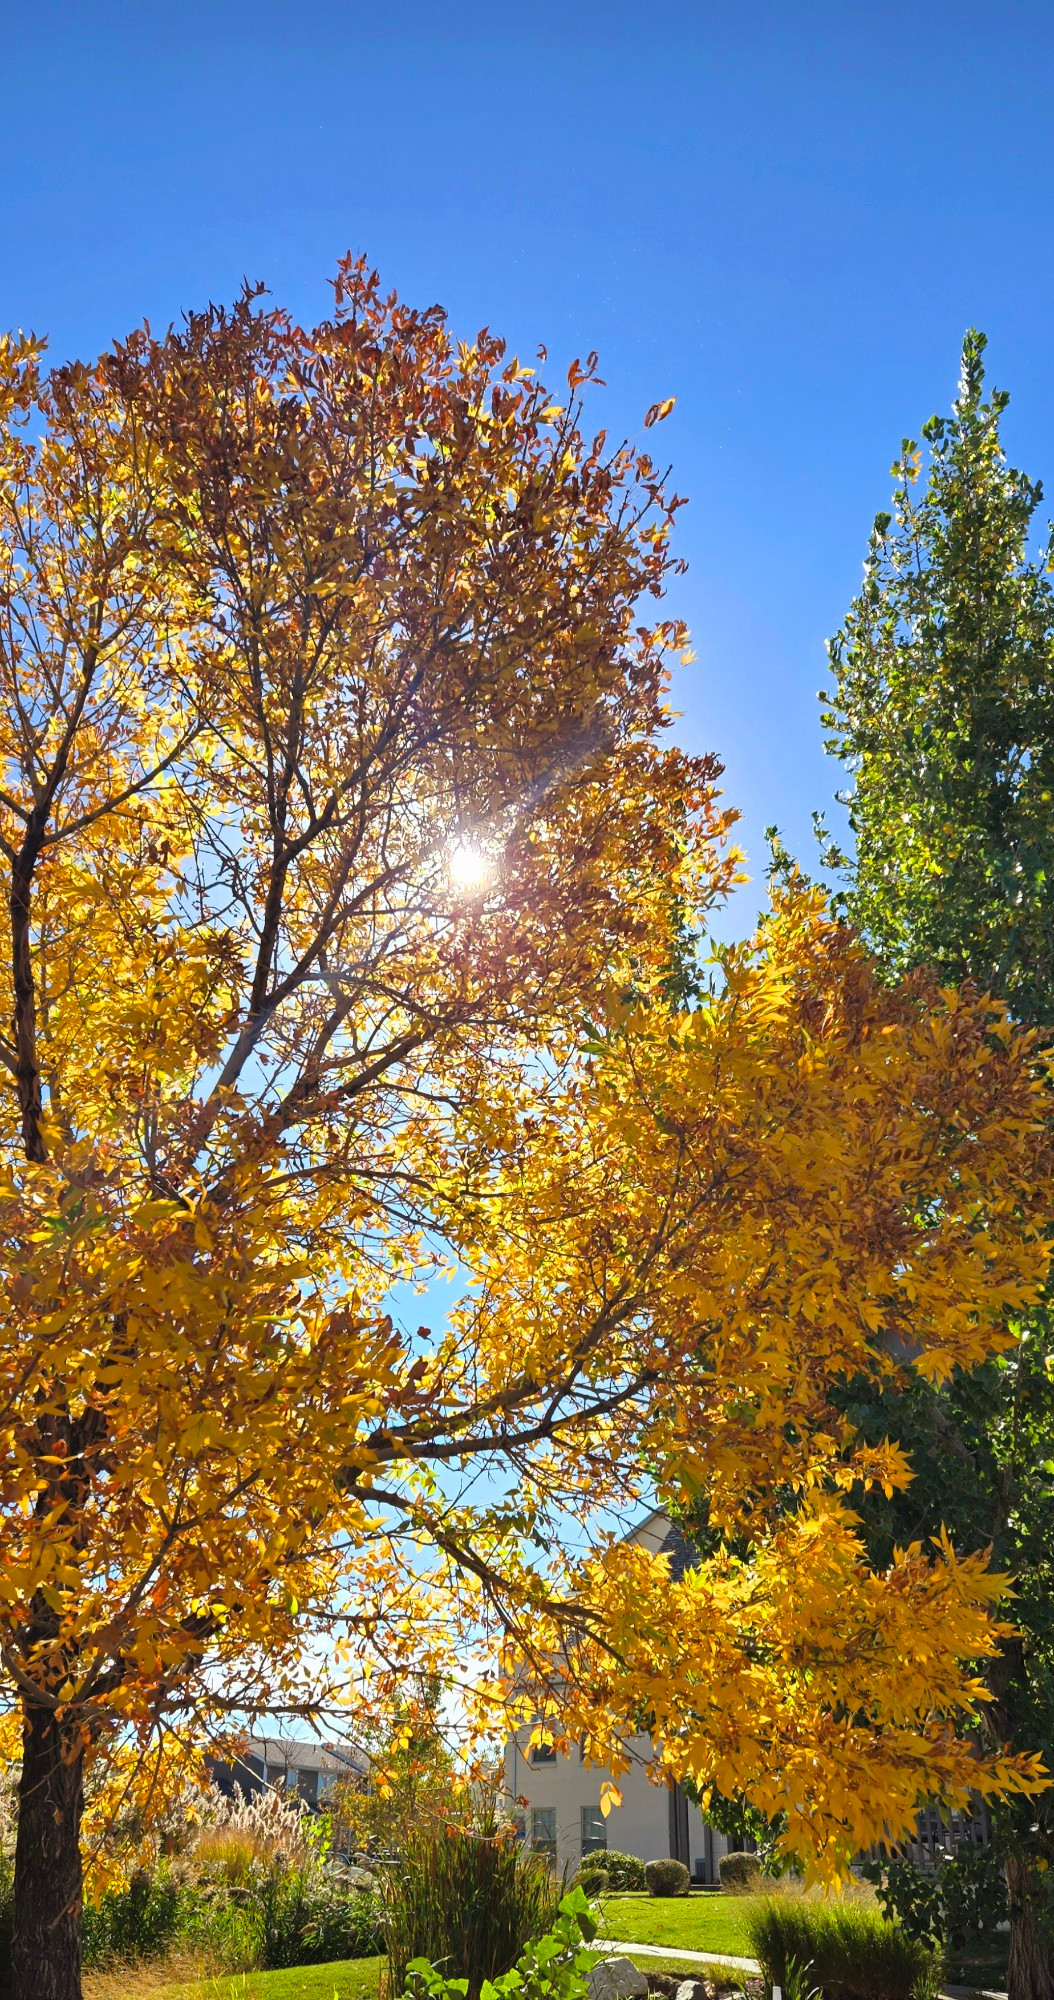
column 942, row 712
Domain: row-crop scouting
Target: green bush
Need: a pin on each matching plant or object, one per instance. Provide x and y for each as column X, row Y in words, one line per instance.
column 554, row 1967
column 305, row 1919
column 740, row 1874
column 594, row 1880
column 667, row 1878
column 466, row 1901
column 849, row 1952
column 276, row 1918
column 963, row 1898
column 142, row 1921
column 624, row 1871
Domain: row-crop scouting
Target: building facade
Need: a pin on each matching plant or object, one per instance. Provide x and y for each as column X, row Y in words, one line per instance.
column 306, row 1767
column 557, row 1796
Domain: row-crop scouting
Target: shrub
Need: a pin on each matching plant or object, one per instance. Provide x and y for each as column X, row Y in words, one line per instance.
column 625, row 1871
column 667, row 1878
column 142, row 1921
column 850, row 1953
column 554, row 1967
column 593, row 1879
column 307, row 1919
column 740, row 1874
column 470, row 1902
column 964, row 1897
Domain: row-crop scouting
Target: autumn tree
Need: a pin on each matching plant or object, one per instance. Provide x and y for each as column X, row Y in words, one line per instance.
column 410, row 1781
column 345, row 866
column 941, row 714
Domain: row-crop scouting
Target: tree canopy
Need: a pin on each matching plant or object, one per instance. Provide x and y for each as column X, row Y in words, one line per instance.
column 348, row 870
column 941, row 712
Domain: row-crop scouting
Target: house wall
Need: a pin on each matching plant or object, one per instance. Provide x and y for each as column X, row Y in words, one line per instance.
column 643, row 1824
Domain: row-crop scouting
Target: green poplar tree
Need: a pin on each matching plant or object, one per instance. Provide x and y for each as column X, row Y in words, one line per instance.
column 942, row 713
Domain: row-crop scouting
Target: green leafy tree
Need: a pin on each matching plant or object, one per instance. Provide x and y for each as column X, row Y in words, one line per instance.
column 942, row 712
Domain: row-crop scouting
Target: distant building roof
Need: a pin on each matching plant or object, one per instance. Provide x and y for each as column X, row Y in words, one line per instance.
column 305, row 1754
column 663, row 1537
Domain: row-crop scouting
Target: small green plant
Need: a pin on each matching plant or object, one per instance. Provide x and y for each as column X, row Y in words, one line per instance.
column 798, row 1983
column 667, row 1878
column 851, row 1953
column 553, row 1967
column 740, row 1874
column 624, row 1871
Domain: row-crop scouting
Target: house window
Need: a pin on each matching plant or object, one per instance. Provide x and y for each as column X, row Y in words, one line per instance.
column 594, row 1830
column 542, row 1753
column 543, row 1830
column 307, row 1786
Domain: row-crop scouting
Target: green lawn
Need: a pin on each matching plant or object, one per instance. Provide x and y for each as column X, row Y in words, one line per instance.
column 694, row 1923
column 350, row 1979
column 691, row 1923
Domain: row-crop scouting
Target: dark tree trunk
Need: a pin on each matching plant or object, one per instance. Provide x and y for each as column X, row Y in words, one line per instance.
column 1031, row 1971
column 46, row 1944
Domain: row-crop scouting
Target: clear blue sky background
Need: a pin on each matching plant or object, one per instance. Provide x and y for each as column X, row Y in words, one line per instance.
column 784, row 214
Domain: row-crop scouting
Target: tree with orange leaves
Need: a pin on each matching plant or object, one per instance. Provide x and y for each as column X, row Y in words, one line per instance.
column 346, row 865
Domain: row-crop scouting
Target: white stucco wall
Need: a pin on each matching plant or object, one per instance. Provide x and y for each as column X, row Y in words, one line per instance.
column 640, row 1825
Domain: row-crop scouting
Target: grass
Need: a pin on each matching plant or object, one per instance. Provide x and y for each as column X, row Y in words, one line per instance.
column 851, row 1951
column 349, row 1979
column 689, row 1923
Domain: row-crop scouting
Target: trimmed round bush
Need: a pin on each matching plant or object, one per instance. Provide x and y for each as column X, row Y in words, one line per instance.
column 595, row 1881
column 740, row 1874
column 667, row 1878
column 624, row 1871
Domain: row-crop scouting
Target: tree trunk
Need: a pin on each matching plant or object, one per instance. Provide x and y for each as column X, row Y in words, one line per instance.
column 1031, row 1972
column 46, row 1944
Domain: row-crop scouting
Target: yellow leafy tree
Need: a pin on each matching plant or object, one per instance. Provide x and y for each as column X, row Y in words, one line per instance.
column 345, row 869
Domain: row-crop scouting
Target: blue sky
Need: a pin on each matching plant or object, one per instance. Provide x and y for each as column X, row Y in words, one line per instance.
column 784, row 214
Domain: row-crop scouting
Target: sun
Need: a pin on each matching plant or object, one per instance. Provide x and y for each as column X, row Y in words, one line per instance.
column 469, row 869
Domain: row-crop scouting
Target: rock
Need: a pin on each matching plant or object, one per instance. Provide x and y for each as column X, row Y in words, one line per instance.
column 690, row 1989
column 617, row 1979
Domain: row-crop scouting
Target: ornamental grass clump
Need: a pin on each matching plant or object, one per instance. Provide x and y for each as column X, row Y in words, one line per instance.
column 469, row 1903
column 847, row 1952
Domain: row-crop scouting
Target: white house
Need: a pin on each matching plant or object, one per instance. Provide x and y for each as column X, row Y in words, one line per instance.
column 559, row 1795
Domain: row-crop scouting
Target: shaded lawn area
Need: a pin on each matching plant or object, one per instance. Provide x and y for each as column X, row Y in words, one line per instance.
column 694, row 1923
column 347, row 1979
